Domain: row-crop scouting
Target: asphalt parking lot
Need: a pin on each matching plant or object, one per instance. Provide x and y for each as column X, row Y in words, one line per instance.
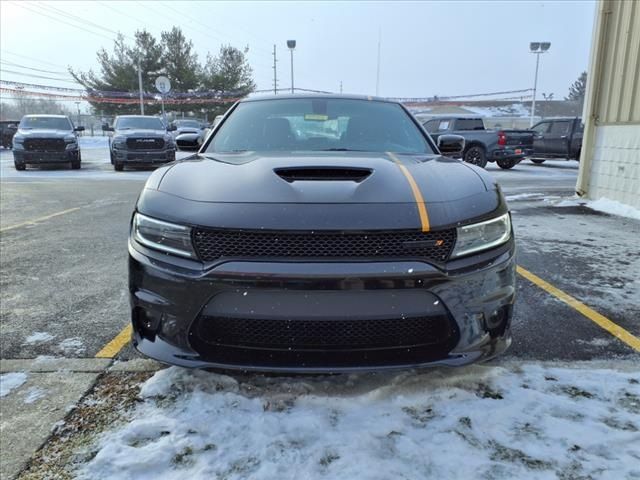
column 63, row 252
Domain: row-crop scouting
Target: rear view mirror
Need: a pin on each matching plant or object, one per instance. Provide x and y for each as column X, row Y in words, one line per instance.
column 451, row 145
column 78, row 129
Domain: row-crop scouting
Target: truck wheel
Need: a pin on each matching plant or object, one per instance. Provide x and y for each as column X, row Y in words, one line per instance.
column 506, row 164
column 75, row 165
column 476, row 156
column 118, row 166
column 20, row 166
column 538, row 160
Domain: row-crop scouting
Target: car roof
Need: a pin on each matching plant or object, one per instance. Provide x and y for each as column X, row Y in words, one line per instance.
column 138, row 116
column 317, row 96
column 45, row 115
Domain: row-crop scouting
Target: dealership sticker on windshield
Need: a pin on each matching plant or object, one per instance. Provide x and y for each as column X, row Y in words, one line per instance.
column 314, row 117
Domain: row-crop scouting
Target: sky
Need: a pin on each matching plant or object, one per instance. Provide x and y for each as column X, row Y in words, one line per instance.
column 427, row 48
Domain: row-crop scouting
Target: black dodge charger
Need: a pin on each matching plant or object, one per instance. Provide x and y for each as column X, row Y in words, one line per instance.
column 321, row 234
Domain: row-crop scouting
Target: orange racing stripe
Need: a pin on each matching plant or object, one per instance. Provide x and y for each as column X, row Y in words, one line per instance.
column 417, row 195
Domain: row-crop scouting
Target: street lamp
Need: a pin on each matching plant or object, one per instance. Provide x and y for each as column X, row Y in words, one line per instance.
column 291, row 44
column 538, row 48
column 78, row 105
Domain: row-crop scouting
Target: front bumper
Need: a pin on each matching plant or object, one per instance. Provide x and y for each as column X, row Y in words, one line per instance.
column 45, row 157
column 143, row 157
column 170, row 304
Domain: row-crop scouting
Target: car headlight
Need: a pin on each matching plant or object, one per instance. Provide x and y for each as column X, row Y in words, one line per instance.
column 71, row 143
column 169, row 140
column 482, row 236
column 164, row 236
column 119, row 142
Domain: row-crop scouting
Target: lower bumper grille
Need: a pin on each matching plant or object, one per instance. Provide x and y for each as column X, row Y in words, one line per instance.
column 344, row 334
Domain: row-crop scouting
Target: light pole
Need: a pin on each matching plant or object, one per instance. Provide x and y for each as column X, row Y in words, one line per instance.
column 78, row 105
column 538, row 48
column 292, row 45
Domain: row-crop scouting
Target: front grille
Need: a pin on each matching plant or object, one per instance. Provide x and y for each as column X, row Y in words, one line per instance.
column 214, row 244
column 44, row 144
column 325, row 334
column 145, row 143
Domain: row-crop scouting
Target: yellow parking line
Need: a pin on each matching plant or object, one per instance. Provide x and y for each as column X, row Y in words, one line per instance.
column 111, row 349
column 40, row 219
column 602, row 321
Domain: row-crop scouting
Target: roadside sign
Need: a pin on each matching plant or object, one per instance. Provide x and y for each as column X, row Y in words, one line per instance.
column 163, row 84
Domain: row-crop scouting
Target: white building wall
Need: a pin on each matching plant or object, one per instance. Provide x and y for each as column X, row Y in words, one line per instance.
column 610, row 160
column 615, row 165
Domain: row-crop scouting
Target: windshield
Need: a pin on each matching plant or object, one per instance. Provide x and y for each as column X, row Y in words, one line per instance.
column 46, row 123
column 187, row 123
column 139, row 123
column 319, row 124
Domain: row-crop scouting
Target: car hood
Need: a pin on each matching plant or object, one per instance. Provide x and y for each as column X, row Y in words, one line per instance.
column 35, row 133
column 345, row 190
column 140, row 133
column 334, row 177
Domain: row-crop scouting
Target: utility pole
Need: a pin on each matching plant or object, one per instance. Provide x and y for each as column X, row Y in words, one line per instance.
column 78, row 105
column 140, row 88
column 275, row 72
column 340, row 87
column 378, row 69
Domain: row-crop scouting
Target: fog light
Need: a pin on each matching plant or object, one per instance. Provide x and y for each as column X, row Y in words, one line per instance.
column 498, row 320
column 147, row 321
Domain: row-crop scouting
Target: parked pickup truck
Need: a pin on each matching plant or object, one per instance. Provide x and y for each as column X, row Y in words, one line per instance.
column 557, row 138
column 505, row 147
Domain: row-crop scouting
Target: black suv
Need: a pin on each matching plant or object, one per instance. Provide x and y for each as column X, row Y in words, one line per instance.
column 46, row 139
column 140, row 140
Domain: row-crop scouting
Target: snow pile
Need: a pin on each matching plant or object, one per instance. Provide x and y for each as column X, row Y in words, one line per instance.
column 614, row 208
column 519, row 422
column 603, row 205
column 11, row 381
column 93, row 142
column 38, row 337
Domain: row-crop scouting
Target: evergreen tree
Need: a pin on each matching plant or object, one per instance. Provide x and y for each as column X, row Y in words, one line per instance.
column 578, row 89
column 179, row 61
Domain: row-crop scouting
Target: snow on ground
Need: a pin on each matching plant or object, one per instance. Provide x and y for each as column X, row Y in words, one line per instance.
column 604, row 205
column 11, row 381
column 34, row 394
column 38, row 337
column 524, row 196
column 518, row 421
column 72, row 346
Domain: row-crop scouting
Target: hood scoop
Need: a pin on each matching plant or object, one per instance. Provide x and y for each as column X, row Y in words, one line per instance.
column 322, row 173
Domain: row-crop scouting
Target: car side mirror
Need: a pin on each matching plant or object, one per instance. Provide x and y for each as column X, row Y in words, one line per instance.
column 451, row 145
column 78, row 129
column 107, row 128
column 171, row 128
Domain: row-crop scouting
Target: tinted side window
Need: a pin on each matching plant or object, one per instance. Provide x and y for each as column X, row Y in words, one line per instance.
column 560, row 127
column 541, row 127
column 431, row 126
column 469, row 124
